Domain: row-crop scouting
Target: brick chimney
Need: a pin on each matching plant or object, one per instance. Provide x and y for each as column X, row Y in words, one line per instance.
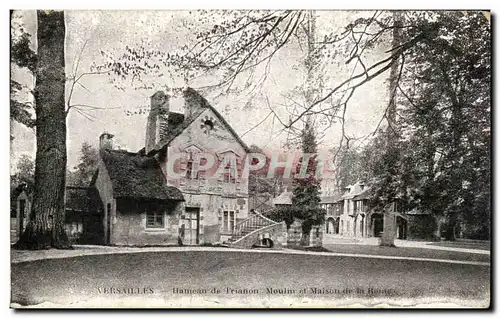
column 194, row 103
column 106, row 141
column 156, row 128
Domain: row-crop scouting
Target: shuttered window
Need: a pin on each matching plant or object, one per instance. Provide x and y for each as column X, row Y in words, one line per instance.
column 230, row 174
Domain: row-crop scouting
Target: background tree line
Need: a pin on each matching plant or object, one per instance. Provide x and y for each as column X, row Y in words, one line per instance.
column 440, row 160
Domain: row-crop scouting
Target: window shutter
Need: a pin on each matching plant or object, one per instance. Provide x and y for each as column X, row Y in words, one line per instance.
column 220, row 177
column 239, row 169
column 196, row 174
column 182, row 168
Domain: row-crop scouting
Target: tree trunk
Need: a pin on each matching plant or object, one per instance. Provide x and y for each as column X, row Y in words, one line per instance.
column 305, row 239
column 389, row 234
column 451, row 224
column 394, row 73
column 392, row 131
column 45, row 228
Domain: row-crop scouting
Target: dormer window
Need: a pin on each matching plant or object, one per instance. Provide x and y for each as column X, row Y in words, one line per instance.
column 190, row 174
column 189, row 169
column 229, row 174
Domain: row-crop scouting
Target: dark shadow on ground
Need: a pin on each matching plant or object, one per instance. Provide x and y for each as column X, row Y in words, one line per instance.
column 406, row 252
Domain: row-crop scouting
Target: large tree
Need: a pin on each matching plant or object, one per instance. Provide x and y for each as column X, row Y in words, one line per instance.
column 307, row 186
column 47, row 76
column 45, row 228
column 440, row 163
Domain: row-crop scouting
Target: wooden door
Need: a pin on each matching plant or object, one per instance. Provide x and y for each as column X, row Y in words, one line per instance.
column 378, row 227
column 191, row 226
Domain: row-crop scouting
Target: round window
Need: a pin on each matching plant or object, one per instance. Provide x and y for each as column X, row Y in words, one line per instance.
column 207, row 124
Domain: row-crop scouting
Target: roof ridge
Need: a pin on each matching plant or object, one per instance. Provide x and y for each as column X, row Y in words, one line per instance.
column 203, row 106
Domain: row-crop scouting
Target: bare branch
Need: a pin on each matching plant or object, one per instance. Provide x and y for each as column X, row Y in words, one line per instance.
column 78, row 59
column 88, row 116
column 85, row 88
column 389, row 60
column 257, row 125
column 93, row 107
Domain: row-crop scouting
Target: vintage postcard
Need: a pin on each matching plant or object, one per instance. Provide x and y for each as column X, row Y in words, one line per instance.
column 250, row 159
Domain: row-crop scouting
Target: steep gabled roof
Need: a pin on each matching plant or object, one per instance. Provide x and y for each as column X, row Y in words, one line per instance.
column 354, row 190
column 198, row 104
column 77, row 199
column 136, row 176
column 331, row 198
column 363, row 195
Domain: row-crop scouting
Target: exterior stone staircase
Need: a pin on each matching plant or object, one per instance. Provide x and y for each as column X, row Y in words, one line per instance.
column 251, row 232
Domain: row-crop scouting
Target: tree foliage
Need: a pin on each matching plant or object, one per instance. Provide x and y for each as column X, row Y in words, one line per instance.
column 25, row 173
column 440, row 161
column 87, row 166
column 291, row 213
column 22, row 56
column 45, row 228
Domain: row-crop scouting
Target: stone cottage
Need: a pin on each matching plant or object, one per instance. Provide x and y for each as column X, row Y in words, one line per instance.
column 143, row 205
column 333, row 205
column 348, row 214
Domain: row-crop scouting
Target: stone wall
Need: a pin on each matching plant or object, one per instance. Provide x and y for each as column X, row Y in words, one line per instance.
column 130, row 227
column 294, row 235
column 105, row 189
column 211, row 209
column 316, row 235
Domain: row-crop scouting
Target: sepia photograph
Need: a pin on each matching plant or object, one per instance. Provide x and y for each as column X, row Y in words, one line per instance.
column 250, row 159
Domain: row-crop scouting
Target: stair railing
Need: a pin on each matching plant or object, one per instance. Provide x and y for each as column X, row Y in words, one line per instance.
column 256, row 220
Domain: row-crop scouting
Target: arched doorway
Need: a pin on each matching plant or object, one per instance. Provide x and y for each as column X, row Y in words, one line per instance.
column 362, row 225
column 336, row 229
column 401, row 228
column 377, row 224
column 330, row 226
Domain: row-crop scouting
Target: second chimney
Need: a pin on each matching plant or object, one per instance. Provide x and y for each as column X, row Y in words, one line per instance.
column 156, row 128
column 106, row 141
